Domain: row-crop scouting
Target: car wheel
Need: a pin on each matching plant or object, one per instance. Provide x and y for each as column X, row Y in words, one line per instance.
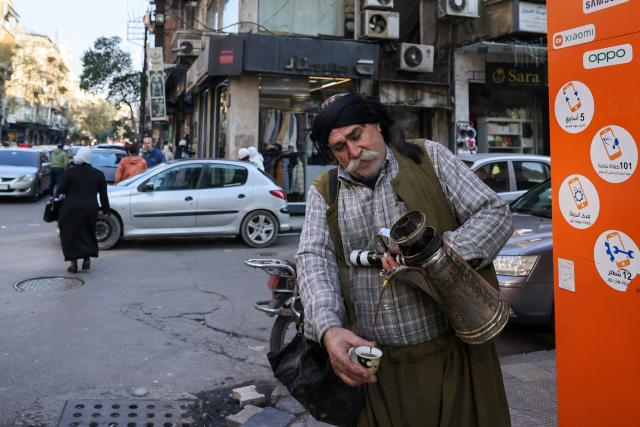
column 36, row 192
column 108, row 231
column 259, row 229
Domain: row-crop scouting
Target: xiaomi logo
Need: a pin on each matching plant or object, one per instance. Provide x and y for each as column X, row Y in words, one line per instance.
column 614, row 55
column 574, row 36
column 589, row 6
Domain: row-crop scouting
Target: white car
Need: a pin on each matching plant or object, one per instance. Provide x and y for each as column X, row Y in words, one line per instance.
column 196, row 198
column 509, row 175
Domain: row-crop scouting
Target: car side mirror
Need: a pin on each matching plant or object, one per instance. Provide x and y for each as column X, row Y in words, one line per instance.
column 147, row 187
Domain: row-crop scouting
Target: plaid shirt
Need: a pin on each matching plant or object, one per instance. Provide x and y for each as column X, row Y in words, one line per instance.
column 406, row 316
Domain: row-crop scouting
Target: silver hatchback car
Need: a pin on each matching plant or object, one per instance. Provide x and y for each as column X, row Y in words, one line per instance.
column 196, row 198
column 509, row 175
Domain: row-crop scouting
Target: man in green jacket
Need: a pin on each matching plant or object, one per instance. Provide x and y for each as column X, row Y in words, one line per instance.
column 428, row 377
column 59, row 164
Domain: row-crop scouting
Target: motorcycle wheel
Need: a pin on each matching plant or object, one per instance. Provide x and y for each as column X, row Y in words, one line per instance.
column 282, row 332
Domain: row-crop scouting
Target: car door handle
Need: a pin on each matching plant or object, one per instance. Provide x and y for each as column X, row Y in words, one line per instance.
column 188, row 198
column 241, row 196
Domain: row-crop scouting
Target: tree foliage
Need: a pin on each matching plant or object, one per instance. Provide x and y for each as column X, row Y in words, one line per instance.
column 95, row 119
column 107, row 69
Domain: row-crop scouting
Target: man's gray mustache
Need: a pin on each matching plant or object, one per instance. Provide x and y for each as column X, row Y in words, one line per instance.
column 365, row 155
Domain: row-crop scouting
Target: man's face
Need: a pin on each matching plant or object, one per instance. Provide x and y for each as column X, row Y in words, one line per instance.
column 359, row 149
column 147, row 144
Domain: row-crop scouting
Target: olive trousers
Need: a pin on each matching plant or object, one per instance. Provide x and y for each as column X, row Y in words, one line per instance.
column 440, row 383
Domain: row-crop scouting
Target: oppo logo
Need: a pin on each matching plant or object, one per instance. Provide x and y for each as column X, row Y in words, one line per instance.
column 613, row 55
column 574, row 36
column 589, row 6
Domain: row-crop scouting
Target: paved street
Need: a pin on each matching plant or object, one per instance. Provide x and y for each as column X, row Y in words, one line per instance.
column 171, row 316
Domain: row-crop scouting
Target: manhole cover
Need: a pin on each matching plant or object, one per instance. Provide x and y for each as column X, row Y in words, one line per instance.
column 127, row 413
column 48, row 284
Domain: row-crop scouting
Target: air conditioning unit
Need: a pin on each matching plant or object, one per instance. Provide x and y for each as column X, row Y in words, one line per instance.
column 188, row 47
column 416, row 57
column 377, row 24
column 456, row 9
column 377, row 4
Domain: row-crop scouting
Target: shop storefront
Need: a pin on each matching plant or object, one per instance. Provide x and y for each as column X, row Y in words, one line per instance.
column 501, row 99
column 510, row 109
column 262, row 91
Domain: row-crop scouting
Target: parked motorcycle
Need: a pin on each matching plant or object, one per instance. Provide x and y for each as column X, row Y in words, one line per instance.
column 285, row 302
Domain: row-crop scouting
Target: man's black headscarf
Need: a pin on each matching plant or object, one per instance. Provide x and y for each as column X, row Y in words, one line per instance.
column 353, row 109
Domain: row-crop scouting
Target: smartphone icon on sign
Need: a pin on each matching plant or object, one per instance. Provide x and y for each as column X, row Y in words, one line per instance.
column 622, row 260
column 571, row 96
column 611, row 143
column 579, row 197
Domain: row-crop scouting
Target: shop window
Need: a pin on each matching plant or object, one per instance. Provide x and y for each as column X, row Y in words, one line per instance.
column 226, row 176
column 304, row 17
column 529, row 174
column 495, row 175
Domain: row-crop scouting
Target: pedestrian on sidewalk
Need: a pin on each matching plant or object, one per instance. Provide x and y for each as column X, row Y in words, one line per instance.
column 243, row 155
column 59, row 164
column 79, row 211
column 427, row 376
column 151, row 154
column 168, row 153
column 182, row 152
column 256, row 158
column 131, row 165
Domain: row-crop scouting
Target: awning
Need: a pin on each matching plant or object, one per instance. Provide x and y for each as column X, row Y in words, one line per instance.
column 522, row 52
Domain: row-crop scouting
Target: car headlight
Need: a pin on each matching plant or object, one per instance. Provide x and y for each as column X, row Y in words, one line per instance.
column 27, row 178
column 515, row 265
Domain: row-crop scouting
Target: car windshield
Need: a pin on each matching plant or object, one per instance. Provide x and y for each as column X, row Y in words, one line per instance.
column 536, row 201
column 468, row 162
column 18, row 158
column 102, row 159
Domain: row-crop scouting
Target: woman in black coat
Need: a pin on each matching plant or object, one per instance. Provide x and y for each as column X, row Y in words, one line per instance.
column 79, row 211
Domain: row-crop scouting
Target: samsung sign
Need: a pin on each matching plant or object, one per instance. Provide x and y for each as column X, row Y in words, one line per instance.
column 614, row 55
column 574, row 36
column 589, row 6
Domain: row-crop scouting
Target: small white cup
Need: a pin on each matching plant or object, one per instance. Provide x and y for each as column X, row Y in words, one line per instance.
column 368, row 357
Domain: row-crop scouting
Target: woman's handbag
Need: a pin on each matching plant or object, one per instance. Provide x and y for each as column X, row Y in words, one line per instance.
column 303, row 366
column 52, row 209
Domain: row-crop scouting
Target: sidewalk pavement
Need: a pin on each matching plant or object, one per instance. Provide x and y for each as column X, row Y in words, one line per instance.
column 529, row 381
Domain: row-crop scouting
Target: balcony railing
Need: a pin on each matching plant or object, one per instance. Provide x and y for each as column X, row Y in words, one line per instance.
column 46, row 116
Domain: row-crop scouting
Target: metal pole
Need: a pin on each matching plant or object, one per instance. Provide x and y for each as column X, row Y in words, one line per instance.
column 143, row 87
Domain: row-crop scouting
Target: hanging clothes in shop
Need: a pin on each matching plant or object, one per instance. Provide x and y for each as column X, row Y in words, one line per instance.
column 297, row 177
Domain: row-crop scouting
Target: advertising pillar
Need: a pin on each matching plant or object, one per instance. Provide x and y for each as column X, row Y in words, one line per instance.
column 594, row 97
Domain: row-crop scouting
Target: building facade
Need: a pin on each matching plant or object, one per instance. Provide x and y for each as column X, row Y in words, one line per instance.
column 242, row 73
column 38, row 93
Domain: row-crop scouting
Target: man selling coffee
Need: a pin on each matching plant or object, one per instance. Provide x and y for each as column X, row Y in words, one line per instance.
column 427, row 376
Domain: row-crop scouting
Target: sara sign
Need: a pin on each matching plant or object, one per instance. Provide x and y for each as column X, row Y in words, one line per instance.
column 515, row 75
column 614, row 55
